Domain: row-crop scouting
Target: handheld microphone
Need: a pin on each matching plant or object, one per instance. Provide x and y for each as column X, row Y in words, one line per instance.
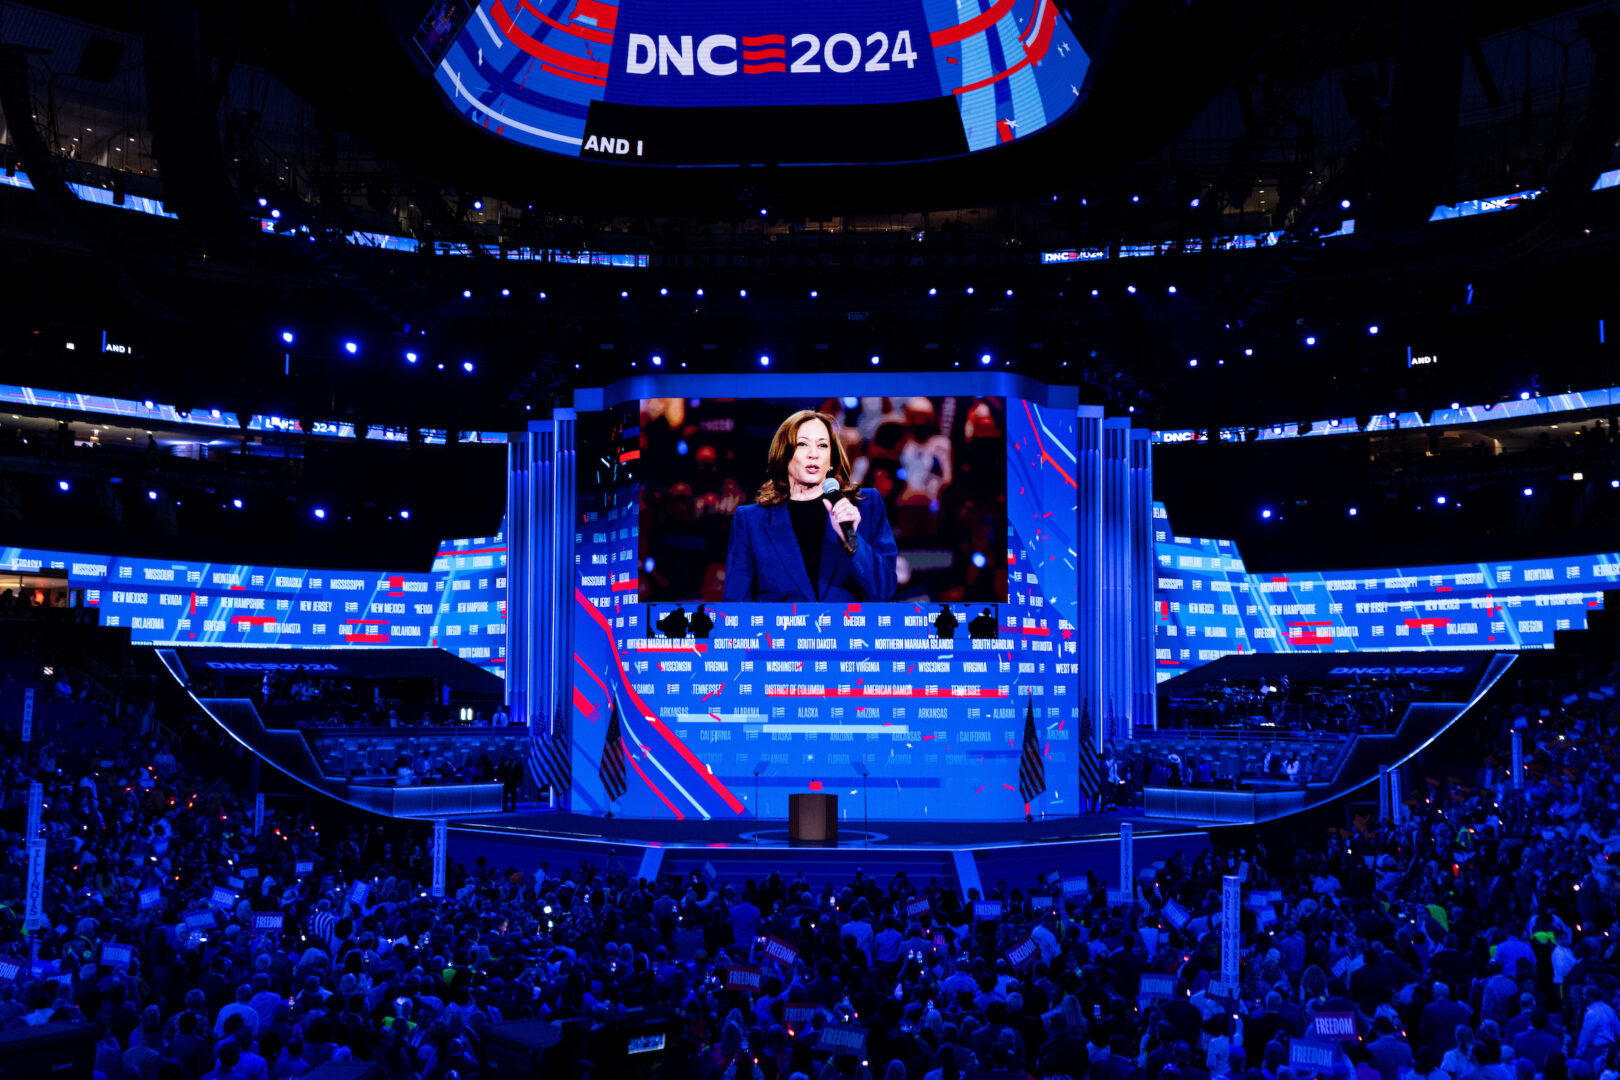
column 829, row 491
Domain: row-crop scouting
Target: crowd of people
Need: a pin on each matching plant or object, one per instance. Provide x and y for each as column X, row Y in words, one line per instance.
column 1470, row 938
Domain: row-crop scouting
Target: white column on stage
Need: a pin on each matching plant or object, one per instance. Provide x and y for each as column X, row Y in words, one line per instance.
column 1142, row 711
column 1397, row 796
column 1088, row 546
column 1117, row 595
column 1384, row 813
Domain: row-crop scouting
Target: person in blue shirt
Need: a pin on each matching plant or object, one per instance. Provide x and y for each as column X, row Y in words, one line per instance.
column 790, row 545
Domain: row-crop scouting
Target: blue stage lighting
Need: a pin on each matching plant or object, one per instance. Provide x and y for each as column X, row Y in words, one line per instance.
column 1373, row 329
column 970, row 290
column 985, row 359
column 1344, row 204
column 663, row 292
column 874, row 361
column 1353, row 511
column 1193, row 362
column 237, row 503
column 542, row 296
column 320, row 512
column 152, row 495
column 658, row 361
column 1311, row 340
column 700, row 292
column 1131, row 289
column 1248, row 352
column 410, row 357
column 933, row 292
column 1171, row 290
column 1439, row 500
column 764, row 361
column 624, row 295
column 506, row 292
column 351, row 347
column 287, row 337
column 478, row 204
column 979, row 559
column 814, row 293
column 63, row 484
column 466, row 294
column 1529, row 492
column 1266, row 513
column 467, row 366
column 1009, row 292
column 1524, row 395
column 1193, row 204
column 1093, row 292
column 743, row 293
column 405, row 515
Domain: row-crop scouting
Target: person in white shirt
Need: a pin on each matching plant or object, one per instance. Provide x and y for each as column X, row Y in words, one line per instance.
column 1044, row 937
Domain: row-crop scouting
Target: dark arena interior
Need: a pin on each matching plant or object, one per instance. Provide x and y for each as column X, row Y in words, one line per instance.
column 885, row 540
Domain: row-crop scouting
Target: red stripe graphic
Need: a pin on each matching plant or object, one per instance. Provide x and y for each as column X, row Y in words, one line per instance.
column 1428, row 622
column 1005, row 129
column 1033, row 52
column 366, row 639
column 764, row 54
column 766, row 39
column 626, row 586
column 762, row 69
column 254, row 620
column 583, row 704
column 657, row 725
column 592, row 674
column 546, row 53
column 695, row 646
column 661, row 796
column 589, row 33
column 630, row 455
column 1041, row 446
column 606, row 15
column 549, row 70
column 952, row 34
column 471, row 551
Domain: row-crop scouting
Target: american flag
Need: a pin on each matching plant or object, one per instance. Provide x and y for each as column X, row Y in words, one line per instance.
column 1031, row 769
column 612, row 769
column 1090, row 766
column 548, row 757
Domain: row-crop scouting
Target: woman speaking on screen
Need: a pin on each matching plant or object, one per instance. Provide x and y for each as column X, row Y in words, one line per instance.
column 810, row 536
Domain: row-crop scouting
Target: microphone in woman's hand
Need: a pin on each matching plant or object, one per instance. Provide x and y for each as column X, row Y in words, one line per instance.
column 829, row 491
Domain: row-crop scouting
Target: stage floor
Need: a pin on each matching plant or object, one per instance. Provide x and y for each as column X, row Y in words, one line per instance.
column 852, row 833
column 967, row 854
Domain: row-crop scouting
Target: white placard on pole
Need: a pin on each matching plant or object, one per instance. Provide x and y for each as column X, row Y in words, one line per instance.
column 1397, row 796
column 1127, row 859
column 28, row 715
column 34, row 904
column 1384, row 813
column 36, row 809
column 1231, row 927
column 1518, row 760
column 258, row 814
column 441, row 837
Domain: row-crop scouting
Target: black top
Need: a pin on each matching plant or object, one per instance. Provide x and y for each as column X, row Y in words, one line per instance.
column 810, row 528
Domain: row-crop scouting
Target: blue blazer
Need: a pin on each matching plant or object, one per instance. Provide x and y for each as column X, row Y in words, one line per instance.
column 763, row 562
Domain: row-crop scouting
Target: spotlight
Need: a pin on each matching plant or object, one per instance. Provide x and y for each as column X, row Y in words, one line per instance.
column 1311, row 340
column 1439, row 500
column 1344, row 204
column 410, row 358
column 933, row 292
column 814, row 293
column 1614, row 483
column 320, row 512
column 466, row 294
column 985, row 359
column 152, row 495
column 970, row 290
column 263, row 201
column 658, row 361
column 351, row 347
column 1136, row 198
column 467, row 366
column 1131, row 289
column 764, row 361
column 1171, row 290
column 874, row 361
column 478, row 204
column 663, row 292
column 1392, row 414
column 1193, row 204
column 1529, row 492
column 542, row 296
column 287, row 337
column 743, row 293
column 1248, row 352
column 1373, row 329
column 1193, row 362
column 1266, row 513
column 275, row 215
column 147, row 404
column 979, row 559
column 1572, row 476
column 1009, row 292
column 1524, row 395
column 1456, row 405
column 700, row 292
column 1093, row 292
column 1352, row 511
column 63, row 485
column 624, row 295
column 405, row 515
column 237, row 503
column 763, row 212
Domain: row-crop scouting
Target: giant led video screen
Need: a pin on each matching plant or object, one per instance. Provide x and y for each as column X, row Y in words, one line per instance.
column 727, row 620
column 934, row 468
column 672, row 82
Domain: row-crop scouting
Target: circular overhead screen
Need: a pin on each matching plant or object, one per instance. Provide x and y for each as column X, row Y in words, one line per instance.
column 735, row 82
